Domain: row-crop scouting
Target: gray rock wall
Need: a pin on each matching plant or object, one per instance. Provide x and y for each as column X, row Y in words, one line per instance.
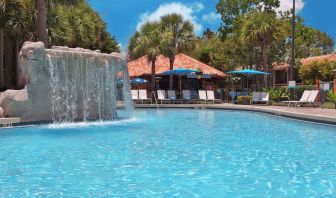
column 37, row 101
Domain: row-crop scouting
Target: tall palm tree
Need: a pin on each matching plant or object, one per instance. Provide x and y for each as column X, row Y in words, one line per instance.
column 148, row 42
column 8, row 10
column 42, row 16
column 178, row 36
column 259, row 29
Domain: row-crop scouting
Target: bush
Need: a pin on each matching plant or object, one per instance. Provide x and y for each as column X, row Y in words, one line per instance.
column 332, row 97
column 278, row 94
column 322, row 70
column 245, row 100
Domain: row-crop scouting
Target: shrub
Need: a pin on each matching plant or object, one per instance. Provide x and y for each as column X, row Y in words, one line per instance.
column 245, row 100
column 332, row 97
column 278, row 94
column 322, row 70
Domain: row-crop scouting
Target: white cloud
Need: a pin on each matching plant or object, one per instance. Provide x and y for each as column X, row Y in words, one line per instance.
column 186, row 11
column 197, row 6
column 211, row 17
column 286, row 5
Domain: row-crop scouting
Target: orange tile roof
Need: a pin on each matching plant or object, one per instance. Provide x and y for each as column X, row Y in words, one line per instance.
column 280, row 66
column 306, row 61
column 141, row 66
column 309, row 60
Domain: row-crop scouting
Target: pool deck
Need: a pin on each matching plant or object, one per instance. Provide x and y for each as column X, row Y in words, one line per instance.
column 326, row 116
column 8, row 122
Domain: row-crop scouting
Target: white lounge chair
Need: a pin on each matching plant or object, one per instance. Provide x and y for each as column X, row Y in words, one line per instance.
column 304, row 98
column 262, row 97
column 143, row 96
column 172, row 97
column 211, row 97
column 202, row 96
column 255, row 97
column 135, row 95
column 162, row 96
column 312, row 97
column 186, row 94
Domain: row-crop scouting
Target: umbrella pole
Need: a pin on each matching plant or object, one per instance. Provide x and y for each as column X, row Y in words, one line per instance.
column 180, row 84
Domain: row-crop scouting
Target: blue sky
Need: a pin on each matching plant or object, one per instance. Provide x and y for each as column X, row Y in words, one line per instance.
column 123, row 17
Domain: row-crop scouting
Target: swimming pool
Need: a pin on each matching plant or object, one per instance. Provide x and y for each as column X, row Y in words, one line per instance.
column 173, row 152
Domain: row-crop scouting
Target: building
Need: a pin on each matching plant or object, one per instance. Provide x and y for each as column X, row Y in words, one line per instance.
column 211, row 78
column 280, row 70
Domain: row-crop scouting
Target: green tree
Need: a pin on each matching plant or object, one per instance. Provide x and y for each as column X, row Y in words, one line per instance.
column 148, row 42
column 9, row 10
column 232, row 10
column 322, row 70
column 177, row 37
column 42, row 16
column 259, row 29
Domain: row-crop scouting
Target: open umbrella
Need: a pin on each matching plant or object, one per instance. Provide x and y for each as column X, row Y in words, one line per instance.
column 179, row 72
column 137, row 81
column 248, row 73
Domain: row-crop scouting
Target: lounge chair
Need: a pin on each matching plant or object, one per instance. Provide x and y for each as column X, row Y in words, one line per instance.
column 172, row 97
column 260, row 97
column 304, row 98
column 186, row 94
column 143, row 96
column 311, row 99
column 211, row 97
column 162, row 96
column 255, row 97
column 202, row 96
column 135, row 95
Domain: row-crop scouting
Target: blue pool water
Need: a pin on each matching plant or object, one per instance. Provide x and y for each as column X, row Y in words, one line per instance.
column 183, row 153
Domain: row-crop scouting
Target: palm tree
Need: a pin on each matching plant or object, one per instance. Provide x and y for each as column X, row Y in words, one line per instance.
column 148, row 42
column 42, row 16
column 8, row 10
column 260, row 29
column 178, row 36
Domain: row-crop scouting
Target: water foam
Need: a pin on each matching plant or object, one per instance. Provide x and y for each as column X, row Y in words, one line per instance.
column 88, row 124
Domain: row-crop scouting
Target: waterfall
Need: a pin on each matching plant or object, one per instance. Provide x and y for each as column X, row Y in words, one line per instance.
column 83, row 84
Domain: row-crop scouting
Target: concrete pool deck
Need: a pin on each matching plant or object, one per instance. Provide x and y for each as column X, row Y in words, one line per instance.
column 326, row 116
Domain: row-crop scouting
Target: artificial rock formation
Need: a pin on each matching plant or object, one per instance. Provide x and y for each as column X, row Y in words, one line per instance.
column 66, row 84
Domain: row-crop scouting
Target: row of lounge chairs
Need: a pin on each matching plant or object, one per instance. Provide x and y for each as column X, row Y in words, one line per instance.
column 308, row 97
column 140, row 96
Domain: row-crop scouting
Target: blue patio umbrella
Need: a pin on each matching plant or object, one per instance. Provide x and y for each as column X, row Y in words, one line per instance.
column 136, row 81
column 248, row 73
column 179, row 72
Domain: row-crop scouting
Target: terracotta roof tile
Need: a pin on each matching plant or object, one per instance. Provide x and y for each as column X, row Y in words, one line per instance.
column 309, row 60
column 141, row 66
column 306, row 61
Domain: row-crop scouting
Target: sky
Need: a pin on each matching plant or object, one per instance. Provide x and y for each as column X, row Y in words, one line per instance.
column 124, row 17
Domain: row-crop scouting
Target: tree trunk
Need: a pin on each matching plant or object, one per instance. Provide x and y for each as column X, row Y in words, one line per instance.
column 15, row 63
column 42, row 22
column 264, row 63
column 1, row 57
column 171, row 67
column 153, row 87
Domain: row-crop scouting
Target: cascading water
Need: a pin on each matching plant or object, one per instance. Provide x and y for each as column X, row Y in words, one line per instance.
column 84, row 84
